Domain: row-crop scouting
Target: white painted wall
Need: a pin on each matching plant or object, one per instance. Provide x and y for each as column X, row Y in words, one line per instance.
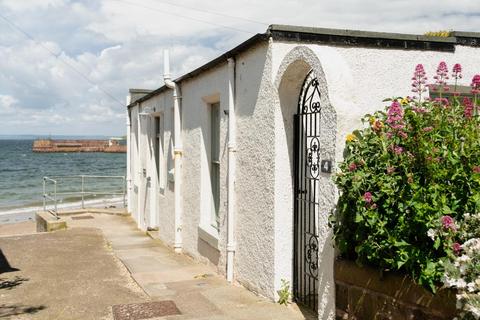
column 197, row 95
column 354, row 81
column 357, row 80
column 158, row 203
column 360, row 78
column 255, row 255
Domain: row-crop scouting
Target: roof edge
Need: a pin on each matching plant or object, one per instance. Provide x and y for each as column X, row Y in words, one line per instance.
column 360, row 34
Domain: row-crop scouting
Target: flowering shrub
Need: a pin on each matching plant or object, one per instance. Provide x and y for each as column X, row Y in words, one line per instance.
column 462, row 271
column 407, row 177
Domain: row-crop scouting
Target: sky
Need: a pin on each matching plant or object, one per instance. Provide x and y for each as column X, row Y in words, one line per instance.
column 66, row 65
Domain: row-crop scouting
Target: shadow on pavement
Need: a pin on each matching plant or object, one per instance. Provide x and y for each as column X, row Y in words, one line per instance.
column 10, row 284
column 16, row 309
column 5, row 265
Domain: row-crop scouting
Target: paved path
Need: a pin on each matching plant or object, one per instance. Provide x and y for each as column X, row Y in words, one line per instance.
column 75, row 274
column 70, row 274
column 198, row 292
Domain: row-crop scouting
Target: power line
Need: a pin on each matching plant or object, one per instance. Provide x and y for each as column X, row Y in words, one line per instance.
column 213, row 12
column 59, row 57
column 185, row 17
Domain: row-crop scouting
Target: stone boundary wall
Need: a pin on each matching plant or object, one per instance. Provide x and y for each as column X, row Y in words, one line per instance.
column 362, row 293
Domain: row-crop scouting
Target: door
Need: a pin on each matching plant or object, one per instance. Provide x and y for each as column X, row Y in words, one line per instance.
column 306, row 188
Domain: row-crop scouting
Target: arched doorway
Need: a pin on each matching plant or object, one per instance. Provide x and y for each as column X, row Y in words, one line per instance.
column 306, row 152
column 307, row 126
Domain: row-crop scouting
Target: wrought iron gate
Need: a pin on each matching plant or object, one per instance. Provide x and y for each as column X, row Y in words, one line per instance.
column 307, row 171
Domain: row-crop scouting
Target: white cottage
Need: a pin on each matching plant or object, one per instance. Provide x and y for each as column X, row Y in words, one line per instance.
column 232, row 163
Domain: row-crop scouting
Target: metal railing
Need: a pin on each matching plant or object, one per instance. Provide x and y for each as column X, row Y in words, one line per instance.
column 52, row 184
column 50, row 196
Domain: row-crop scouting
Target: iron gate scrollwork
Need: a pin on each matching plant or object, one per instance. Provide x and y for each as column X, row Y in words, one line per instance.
column 307, row 171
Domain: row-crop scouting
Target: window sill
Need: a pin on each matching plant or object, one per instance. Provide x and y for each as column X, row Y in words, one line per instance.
column 208, row 234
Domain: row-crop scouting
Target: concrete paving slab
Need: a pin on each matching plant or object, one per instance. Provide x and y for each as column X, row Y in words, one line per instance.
column 232, row 296
column 195, row 304
column 158, row 290
column 139, row 252
column 180, row 274
column 149, row 264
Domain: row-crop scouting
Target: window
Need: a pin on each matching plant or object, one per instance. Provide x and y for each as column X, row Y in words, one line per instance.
column 159, row 152
column 215, row 163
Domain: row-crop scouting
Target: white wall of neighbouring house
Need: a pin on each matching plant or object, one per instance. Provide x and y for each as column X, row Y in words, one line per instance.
column 254, row 192
column 133, row 153
column 153, row 202
column 254, row 189
column 200, row 238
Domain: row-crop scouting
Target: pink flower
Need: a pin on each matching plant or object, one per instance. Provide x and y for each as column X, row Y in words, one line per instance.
column 475, row 84
column 448, row 223
column 419, row 110
column 395, row 112
column 352, row 166
column 403, row 134
column 468, row 111
column 398, row 150
column 442, row 74
column 395, row 120
column 367, row 197
column 390, row 170
column 427, row 129
column 443, row 101
column 476, row 169
column 457, row 248
column 457, row 71
column 419, row 81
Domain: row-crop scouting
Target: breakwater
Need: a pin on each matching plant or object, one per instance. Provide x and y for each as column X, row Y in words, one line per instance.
column 50, row 145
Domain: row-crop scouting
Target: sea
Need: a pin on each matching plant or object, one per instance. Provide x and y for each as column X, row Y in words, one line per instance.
column 22, row 173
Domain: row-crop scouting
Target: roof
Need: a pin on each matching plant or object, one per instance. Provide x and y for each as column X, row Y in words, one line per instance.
column 337, row 37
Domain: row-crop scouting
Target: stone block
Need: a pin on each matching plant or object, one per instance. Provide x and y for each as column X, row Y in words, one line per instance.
column 341, row 296
column 47, row 222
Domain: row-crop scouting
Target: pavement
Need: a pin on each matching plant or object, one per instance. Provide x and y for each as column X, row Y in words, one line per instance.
column 71, row 269
column 69, row 274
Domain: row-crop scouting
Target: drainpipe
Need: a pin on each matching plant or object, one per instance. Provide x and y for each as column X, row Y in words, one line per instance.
column 177, row 149
column 231, row 169
column 129, row 154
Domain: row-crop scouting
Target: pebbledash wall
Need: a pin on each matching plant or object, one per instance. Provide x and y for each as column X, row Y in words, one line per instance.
column 356, row 71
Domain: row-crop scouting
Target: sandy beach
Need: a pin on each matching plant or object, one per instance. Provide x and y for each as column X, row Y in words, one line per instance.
column 28, row 213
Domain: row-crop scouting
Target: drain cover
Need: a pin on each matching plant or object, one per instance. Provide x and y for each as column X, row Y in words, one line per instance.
column 147, row 310
column 82, row 217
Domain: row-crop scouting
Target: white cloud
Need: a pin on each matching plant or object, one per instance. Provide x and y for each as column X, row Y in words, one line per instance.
column 6, row 104
column 22, row 5
column 118, row 46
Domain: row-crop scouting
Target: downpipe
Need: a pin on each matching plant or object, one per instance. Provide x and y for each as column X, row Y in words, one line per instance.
column 129, row 154
column 177, row 149
column 232, row 148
